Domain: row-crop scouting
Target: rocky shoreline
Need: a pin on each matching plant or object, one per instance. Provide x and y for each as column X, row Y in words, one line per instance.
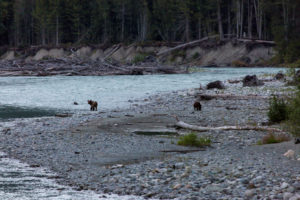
column 102, row 152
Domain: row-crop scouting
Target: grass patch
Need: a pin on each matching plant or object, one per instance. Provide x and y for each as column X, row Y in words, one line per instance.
column 140, row 57
column 192, row 140
column 196, row 69
column 293, row 122
column 177, row 53
column 239, row 63
column 273, row 139
column 196, row 56
column 295, row 64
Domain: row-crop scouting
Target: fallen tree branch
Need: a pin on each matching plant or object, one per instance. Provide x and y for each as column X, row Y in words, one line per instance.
column 116, row 48
column 184, row 125
column 228, row 96
column 185, row 45
column 256, row 41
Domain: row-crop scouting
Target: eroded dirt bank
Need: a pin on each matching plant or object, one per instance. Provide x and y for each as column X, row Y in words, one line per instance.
column 136, row 59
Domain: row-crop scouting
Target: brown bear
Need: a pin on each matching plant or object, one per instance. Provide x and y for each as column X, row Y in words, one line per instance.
column 197, row 106
column 93, row 104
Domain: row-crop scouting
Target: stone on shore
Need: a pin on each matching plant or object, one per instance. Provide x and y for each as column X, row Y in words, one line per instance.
column 290, row 154
column 215, row 85
column 252, row 81
column 279, row 76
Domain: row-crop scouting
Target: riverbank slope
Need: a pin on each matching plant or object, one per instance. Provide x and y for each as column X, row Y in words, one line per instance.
column 134, row 59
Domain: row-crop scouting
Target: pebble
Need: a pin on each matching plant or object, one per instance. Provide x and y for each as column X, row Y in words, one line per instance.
column 249, row 193
column 287, row 195
column 284, row 185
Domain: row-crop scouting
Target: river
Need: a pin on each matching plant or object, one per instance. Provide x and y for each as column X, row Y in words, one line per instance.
column 42, row 96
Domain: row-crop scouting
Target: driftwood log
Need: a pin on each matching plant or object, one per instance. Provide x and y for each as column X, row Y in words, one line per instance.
column 184, row 125
column 182, row 46
column 257, row 41
column 228, row 96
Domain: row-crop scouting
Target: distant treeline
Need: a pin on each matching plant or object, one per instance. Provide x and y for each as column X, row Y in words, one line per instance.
column 53, row 22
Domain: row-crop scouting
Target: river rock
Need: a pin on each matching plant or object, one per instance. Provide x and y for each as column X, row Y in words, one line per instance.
column 137, row 72
column 284, row 185
column 297, row 75
column 215, row 85
column 251, row 81
column 279, row 76
column 295, row 197
column 287, row 195
column 290, row 154
column 249, row 193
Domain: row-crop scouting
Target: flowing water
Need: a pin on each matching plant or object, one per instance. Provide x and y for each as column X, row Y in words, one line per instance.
column 22, row 97
column 18, row 181
column 36, row 96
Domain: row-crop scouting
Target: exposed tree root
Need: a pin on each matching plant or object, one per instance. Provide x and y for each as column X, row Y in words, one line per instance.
column 228, row 96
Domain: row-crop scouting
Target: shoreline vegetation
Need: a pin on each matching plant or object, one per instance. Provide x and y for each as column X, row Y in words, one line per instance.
column 102, row 151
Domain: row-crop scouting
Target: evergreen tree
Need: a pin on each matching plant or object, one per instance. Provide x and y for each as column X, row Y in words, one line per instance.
column 52, row 22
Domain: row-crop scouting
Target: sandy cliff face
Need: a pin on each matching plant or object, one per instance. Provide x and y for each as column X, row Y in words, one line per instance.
column 226, row 54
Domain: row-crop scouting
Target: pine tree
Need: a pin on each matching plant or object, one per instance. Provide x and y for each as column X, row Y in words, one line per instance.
column 41, row 16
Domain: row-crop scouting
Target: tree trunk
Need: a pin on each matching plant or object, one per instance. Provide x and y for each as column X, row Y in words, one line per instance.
column 199, row 28
column 43, row 32
column 187, row 28
column 229, row 20
column 143, row 24
column 242, row 20
column 123, row 22
column 285, row 9
column 104, row 36
column 258, row 17
column 238, row 18
column 57, row 31
column 220, row 21
column 250, row 16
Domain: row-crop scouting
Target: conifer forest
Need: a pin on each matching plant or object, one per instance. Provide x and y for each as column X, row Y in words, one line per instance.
column 55, row 22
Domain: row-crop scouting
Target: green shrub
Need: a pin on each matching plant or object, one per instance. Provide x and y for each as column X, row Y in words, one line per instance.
column 291, row 72
column 277, row 110
column 196, row 55
column 239, row 63
column 295, row 64
column 292, row 51
column 192, row 140
column 177, row 53
column 139, row 58
column 293, row 122
column 272, row 139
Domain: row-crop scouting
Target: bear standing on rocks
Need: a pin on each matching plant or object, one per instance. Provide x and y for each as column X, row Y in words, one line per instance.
column 93, row 105
column 197, row 106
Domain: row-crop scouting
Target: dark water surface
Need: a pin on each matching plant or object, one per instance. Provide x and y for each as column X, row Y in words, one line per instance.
column 9, row 112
